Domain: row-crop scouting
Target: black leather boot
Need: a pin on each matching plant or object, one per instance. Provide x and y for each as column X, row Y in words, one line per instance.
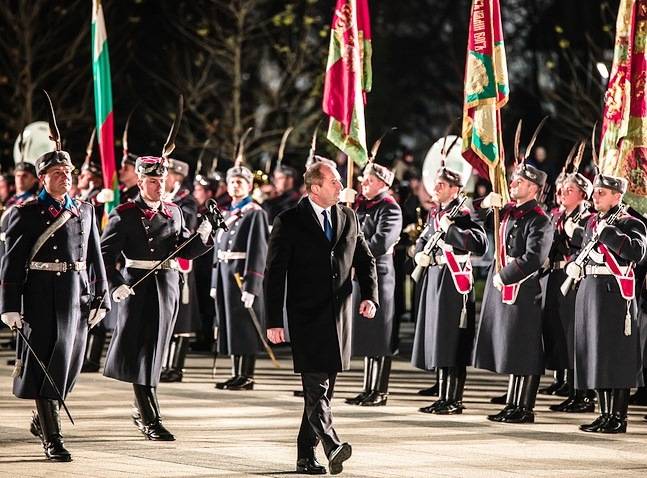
column 571, row 394
column 236, row 361
column 94, row 349
column 178, row 349
column 50, row 427
column 368, row 377
column 527, row 395
column 559, row 384
column 454, row 394
column 246, row 379
column 148, row 418
column 380, row 384
column 617, row 422
column 604, row 401
column 583, row 402
column 434, row 389
column 442, row 391
column 511, row 399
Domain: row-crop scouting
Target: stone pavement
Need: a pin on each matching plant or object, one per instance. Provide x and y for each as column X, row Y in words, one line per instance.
column 237, row 434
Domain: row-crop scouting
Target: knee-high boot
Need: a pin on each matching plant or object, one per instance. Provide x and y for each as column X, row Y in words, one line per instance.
column 512, row 395
column 380, row 384
column 236, row 361
column 525, row 404
column 149, row 420
column 432, row 391
column 454, row 392
column 617, row 422
column 368, row 376
column 94, row 349
column 605, row 397
column 50, row 430
column 246, row 379
column 178, row 348
column 442, row 391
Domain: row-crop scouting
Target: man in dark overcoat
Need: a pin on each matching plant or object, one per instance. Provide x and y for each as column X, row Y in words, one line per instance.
column 146, row 231
column 444, row 336
column 52, row 251
column 239, row 255
column 509, row 336
column 607, row 337
column 312, row 252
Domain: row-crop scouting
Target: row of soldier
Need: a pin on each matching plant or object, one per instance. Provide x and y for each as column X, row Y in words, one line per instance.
column 592, row 331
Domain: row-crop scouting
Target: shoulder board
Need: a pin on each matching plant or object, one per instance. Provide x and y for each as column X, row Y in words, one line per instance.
column 466, row 211
column 540, row 210
column 29, row 202
column 389, row 199
column 125, row 206
column 250, row 206
column 78, row 202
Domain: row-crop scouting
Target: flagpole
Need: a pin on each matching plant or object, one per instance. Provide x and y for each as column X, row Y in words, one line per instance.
column 496, row 188
column 349, row 175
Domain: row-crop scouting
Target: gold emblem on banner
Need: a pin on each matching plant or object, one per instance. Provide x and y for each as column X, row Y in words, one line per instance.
column 477, row 75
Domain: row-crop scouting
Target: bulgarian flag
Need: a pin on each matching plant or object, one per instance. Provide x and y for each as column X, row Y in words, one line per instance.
column 103, row 106
column 623, row 148
column 486, row 92
column 348, row 78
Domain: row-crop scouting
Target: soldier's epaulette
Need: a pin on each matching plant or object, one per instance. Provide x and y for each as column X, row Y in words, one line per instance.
column 539, row 210
column 125, row 206
column 389, row 199
column 250, row 206
column 29, row 202
column 182, row 193
column 78, row 202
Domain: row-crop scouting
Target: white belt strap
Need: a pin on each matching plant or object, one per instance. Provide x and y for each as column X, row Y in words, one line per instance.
column 57, row 266
column 461, row 259
column 229, row 256
column 603, row 270
column 148, row 265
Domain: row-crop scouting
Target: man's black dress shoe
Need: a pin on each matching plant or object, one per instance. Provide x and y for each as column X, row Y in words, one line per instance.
column 310, row 466
column 337, row 457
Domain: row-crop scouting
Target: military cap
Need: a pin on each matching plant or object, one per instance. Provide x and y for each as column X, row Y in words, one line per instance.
column 129, row 158
column 382, row 173
column 581, row 182
column 93, row 168
column 207, row 182
column 53, row 158
column 614, row 183
column 532, row 174
column 287, row 171
column 25, row 166
column 178, row 167
column 451, row 176
column 240, row 172
column 151, row 166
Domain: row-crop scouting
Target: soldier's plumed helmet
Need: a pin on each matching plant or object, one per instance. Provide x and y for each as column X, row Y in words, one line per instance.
column 53, row 158
column 26, row 167
column 206, row 182
column 382, row 173
column 581, row 182
column 92, row 168
column 240, row 172
column 178, row 167
column 532, row 174
column 611, row 182
column 151, row 166
column 129, row 158
column 452, row 177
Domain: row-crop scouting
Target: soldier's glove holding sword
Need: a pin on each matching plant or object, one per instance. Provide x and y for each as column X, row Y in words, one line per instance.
column 121, row 292
column 445, row 222
column 569, row 227
column 492, row 200
column 204, row 230
column 601, row 226
column 12, row 320
column 497, row 281
column 422, row 259
column 247, row 299
column 574, row 271
column 96, row 316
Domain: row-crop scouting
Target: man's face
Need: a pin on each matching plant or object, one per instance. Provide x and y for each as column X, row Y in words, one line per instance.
column 127, row 174
column 327, row 193
column 443, row 191
column 201, row 194
column 84, row 179
column 5, row 189
column 151, row 187
column 171, row 180
column 604, row 199
column 57, row 180
column 371, row 186
column 24, row 181
column 571, row 196
column 282, row 182
column 238, row 188
column 522, row 190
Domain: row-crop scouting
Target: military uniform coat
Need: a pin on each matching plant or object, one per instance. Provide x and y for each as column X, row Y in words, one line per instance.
column 438, row 340
column 558, row 315
column 604, row 356
column 146, row 319
column 54, row 304
column 381, row 221
column 509, row 336
column 248, row 233
column 274, row 206
column 319, row 286
column 203, row 268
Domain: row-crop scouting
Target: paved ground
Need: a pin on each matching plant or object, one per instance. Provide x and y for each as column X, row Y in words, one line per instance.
column 236, row 434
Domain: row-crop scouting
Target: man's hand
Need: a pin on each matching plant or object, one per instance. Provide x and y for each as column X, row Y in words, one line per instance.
column 212, row 292
column 12, row 320
column 247, row 299
column 204, row 230
column 347, row 195
column 492, row 200
column 276, row 335
column 215, row 333
column 601, row 226
column 96, row 316
column 445, row 222
column 422, row 259
column 569, row 227
column 497, row 281
column 574, row 271
column 121, row 292
column 367, row 309
column 106, row 195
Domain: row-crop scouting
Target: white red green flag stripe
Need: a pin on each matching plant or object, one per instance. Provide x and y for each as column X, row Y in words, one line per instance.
column 103, row 103
column 348, row 78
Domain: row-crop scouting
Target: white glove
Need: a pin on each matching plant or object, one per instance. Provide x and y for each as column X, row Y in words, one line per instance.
column 121, row 292
column 204, row 230
column 212, row 292
column 573, row 271
column 215, row 333
column 492, row 200
column 569, row 227
column 600, row 227
column 422, row 259
column 106, row 195
column 247, row 299
column 12, row 319
column 497, row 281
column 445, row 222
column 347, row 195
column 96, row 316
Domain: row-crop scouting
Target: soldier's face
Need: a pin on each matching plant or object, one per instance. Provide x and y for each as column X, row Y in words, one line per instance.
column 571, row 196
column 127, row 174
column 238, row 188
column 24, row 181
column 371, row 186
column 83, row 182
column 604, row 199
column 523, row 190
column 443, row 191
column 151, row 187
column 57, row 180
column 326, row 194
column 201, row 194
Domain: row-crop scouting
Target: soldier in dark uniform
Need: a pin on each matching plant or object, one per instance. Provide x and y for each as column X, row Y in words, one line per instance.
column 145, row 231
column 559, row 310
column 287, row 192
column 607, row 339
column 509, row 337
column 128, row 178
column 445, row 322
column 52, row 248
column 240, row 250
column 380, row 219
column 187, row 323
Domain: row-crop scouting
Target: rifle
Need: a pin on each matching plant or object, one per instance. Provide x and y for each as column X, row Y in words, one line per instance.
column 416, row 275
column 583, row 258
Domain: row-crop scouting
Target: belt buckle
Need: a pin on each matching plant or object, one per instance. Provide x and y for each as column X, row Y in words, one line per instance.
column 65, row 266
